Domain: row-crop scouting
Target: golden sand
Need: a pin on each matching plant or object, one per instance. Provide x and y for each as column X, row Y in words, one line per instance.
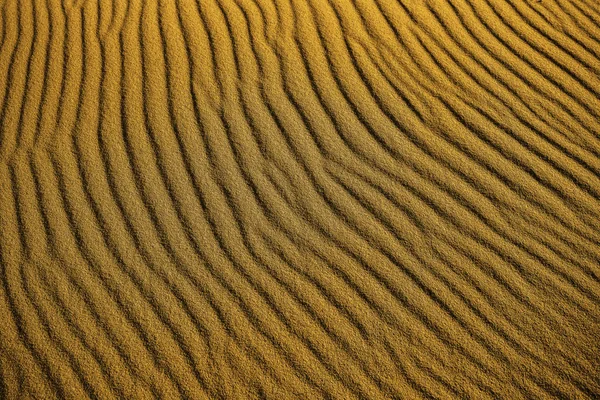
column 299, row 199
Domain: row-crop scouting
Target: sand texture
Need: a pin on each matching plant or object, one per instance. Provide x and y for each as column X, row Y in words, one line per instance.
column 299, row 199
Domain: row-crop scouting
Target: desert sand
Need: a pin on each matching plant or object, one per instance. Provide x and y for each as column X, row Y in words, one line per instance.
column 299, row 199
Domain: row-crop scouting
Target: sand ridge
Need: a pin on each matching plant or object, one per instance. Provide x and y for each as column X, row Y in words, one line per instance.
column 299, row 199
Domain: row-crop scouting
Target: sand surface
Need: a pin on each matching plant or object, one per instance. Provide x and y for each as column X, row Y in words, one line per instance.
column 299, row 199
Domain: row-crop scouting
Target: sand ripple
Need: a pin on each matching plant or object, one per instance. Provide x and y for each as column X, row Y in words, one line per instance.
column 309, row 199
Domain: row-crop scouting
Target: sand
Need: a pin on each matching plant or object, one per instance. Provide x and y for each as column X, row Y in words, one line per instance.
column 299, row 199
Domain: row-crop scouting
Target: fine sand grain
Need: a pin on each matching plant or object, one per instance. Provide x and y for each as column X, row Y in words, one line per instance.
column 299, row 199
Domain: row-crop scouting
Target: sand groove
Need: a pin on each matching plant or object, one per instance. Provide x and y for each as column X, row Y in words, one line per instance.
column 339, row 199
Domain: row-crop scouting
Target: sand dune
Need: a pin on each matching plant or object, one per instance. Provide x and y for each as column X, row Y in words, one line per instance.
column 308, row 199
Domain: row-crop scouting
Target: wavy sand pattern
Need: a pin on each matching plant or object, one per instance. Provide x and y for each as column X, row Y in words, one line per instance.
column 309, row 199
